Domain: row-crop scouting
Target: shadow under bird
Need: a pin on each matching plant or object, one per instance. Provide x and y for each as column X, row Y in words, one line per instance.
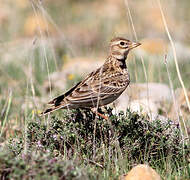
column 102, row 86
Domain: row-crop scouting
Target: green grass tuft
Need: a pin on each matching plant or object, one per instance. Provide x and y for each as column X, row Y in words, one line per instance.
column 120, row 143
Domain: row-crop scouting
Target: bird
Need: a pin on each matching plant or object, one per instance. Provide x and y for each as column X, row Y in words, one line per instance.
column 102, row 86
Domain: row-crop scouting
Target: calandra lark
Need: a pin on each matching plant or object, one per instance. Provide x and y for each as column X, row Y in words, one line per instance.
column 102, row 86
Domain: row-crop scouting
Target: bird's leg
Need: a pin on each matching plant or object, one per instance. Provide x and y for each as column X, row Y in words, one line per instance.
column 95, row 111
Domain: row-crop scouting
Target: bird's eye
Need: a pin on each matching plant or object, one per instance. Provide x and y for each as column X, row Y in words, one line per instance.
column 122, row 43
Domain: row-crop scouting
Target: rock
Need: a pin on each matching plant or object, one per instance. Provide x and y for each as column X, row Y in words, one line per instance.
column 142, row 172
column 156, row 92
column 143, row 106
column 144, row 99
column 121, row 104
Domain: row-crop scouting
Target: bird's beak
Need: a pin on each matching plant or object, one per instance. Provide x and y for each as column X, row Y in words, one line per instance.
column 134, row 45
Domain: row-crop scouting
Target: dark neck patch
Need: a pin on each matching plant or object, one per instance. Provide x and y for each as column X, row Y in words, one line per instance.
column 122, row 63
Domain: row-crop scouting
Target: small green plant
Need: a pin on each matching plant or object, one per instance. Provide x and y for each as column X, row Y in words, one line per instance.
column 38, row 165
column 128, row 138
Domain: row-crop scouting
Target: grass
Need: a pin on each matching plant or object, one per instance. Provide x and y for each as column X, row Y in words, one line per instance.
column 157, row 72
column 64, row 147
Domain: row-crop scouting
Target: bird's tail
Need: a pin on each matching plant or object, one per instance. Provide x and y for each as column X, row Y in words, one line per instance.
column 56, row 103
column 59, row 102
column 51, row 109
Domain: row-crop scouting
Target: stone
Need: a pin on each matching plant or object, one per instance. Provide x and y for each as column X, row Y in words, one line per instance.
column 143, row 106
column 142, row 172
column 144, row 99
column 157, row 92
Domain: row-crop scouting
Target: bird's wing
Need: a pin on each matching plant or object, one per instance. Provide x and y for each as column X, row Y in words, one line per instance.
column 98, row 84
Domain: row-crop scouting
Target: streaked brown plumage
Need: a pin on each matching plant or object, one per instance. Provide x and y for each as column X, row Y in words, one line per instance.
column 101, row 86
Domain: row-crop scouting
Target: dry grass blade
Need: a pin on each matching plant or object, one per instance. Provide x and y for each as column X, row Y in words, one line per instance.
column 6, row 113
column 177, row 109
column 175, row 57
column 174, row 54
column 43, row 47
column 142, row 60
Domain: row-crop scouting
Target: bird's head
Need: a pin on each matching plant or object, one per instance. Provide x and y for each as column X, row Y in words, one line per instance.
column 120, row 47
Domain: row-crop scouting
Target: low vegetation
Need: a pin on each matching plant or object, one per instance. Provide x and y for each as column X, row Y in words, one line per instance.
column 68, row 146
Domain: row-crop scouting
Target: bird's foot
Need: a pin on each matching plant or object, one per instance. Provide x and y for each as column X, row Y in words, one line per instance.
column 95, row 111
